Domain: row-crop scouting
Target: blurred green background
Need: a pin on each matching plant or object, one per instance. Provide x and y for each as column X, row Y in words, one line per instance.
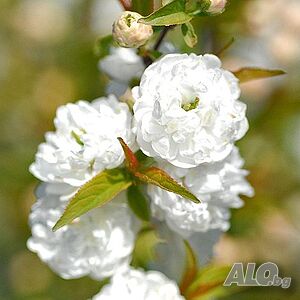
column 47, row 59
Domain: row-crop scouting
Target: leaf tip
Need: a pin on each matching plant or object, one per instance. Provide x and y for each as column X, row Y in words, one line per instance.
column 57, row 226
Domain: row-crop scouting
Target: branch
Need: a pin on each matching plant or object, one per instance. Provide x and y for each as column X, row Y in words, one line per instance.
column 162, row 36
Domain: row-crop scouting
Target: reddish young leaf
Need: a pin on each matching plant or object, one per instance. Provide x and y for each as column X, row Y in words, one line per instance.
column 131, row 161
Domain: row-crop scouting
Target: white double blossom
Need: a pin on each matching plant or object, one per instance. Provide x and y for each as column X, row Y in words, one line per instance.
column 85, row 141
column 97, row 244
column 122, row 65
column 187, row 110
column 138, row 285
column 217, row 185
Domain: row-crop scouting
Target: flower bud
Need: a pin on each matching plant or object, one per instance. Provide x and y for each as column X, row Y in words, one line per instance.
column 127, row 32
column 217, row 6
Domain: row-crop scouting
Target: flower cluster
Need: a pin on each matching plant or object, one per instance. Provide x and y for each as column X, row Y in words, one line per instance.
column 186, row 116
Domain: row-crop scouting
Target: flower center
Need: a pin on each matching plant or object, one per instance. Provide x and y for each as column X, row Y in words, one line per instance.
column 187, row 106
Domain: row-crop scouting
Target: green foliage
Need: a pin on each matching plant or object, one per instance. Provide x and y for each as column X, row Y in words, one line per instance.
column 138, row 203
column 103, row 45
column 177, row 12
column 154, row 175
column 208, row 284
column 189, row 35
column 144, row 160
column 173, row 13
column 144, row 251
column 197, row 7
column 191, row 268
column 143, row 7
column 161, row 179
column 95, row 193
column 248, row 74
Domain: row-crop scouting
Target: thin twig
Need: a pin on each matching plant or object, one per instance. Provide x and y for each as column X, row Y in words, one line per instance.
column 126, row 4
column 162, row 36
column 225, row 47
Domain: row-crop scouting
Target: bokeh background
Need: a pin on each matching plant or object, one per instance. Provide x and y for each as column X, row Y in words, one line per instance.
column 47, row 59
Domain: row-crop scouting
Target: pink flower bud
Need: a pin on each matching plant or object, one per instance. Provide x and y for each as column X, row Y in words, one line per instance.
column 217, row 6
column 127, row 32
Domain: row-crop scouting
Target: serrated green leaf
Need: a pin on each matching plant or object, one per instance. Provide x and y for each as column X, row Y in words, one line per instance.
column 189, row 35
column 144, row 250
column 95, row 193
column 103, row 45
column 191, row 268
column 248, row 74
column 143, row 7
column 170, row 14
column 138, row 203
column 163, row 180
column 209, row 284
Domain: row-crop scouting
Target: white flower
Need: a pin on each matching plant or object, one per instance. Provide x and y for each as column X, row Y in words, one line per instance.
column 217, row 185
column 138, row 285
column 85, row 141
column 122, row 66
column 97, row 244
column 187, row 110
column 127, row 32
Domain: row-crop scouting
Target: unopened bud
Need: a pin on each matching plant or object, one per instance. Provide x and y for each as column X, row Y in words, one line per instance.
column 127, row 32
column 217, row 6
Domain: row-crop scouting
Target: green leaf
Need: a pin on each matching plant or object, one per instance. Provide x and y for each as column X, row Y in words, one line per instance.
column 190, row 269
column 138, row 203
column 95, row 193
column 144, row 160
column 143, row 7
column 165, row 2
column 248, row 74
column 198, row 7
column 144, row 250
column 161, row 179
column 170, row 14
column 209, row 284
column 103, row 45
column 189, row 35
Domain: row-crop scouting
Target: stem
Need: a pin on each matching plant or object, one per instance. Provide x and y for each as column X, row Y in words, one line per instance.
column 146, row 57
column 126, row 4
column 162, row 36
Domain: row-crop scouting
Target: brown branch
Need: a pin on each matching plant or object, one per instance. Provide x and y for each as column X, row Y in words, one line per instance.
column 126, row 4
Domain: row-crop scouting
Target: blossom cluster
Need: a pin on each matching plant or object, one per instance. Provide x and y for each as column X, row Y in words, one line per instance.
column 187, row 116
